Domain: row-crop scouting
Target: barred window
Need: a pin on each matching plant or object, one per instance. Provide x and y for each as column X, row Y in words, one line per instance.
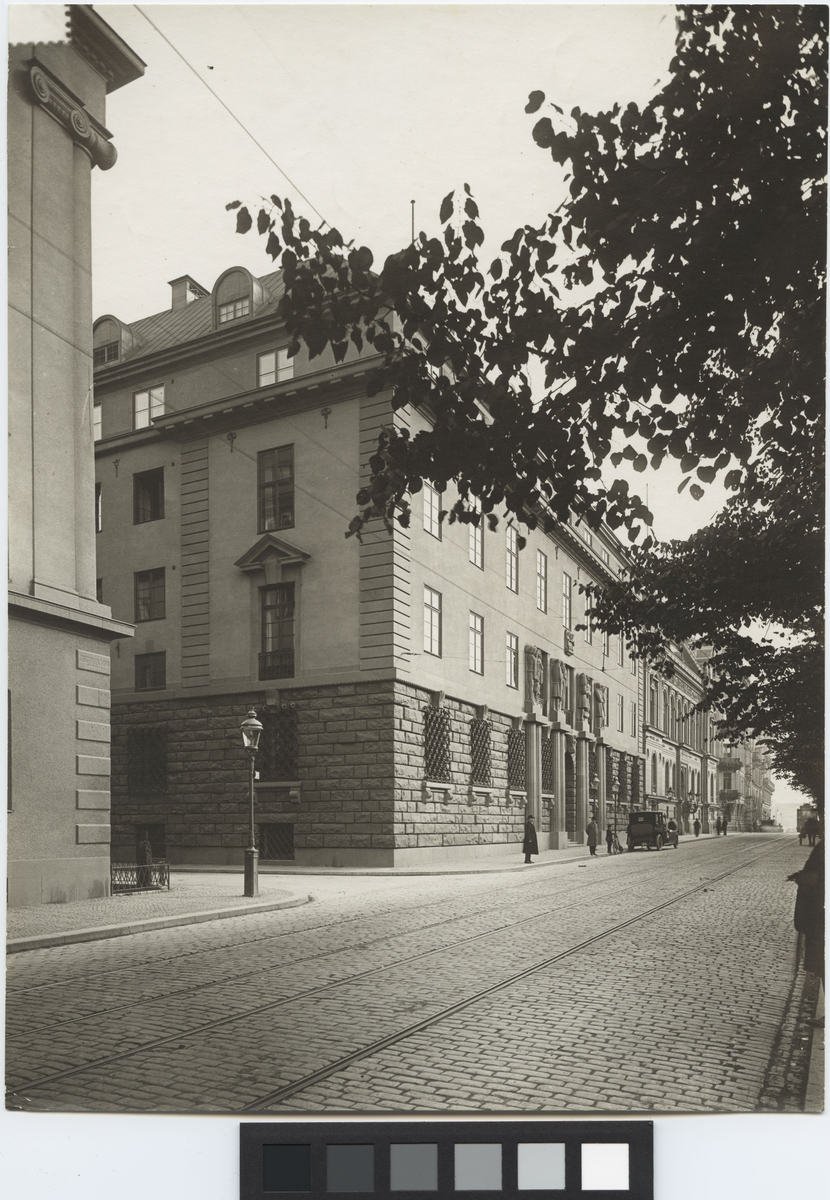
column 432, row 622
column 547, row 764
column 477, row 536
column 512, row 559
column 148, row 496
column 541, row 581
column 516, row 759
column 147, row 405
column 274, row 367
column 437, row 744
column 480, row 746
column 150, row 671
column 149, row 595
column 278, row 757
column 512, row 660
column 476, row 643
column 567, row 601
column 147, row 759
column 432, row 511
column 275, row 485
column 276, row 841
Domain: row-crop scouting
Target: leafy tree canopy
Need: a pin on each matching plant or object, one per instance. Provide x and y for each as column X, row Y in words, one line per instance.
column 674, row 304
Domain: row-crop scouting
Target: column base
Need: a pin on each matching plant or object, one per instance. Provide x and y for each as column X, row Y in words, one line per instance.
column 558, row 839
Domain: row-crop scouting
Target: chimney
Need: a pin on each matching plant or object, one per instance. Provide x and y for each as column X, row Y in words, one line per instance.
column 184, row 289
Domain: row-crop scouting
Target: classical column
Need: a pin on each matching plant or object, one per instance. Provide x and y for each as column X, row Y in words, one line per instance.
column 558, row 829
column 582, row 785
column 602, row 819
column 533, row 768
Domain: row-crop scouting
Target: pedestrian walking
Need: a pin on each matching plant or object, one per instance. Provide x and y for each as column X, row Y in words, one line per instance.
column 725, row 826
column 811, row 829
column 592, row 834
column 801, row 836
column 609, row 839
column 530, row 845
column 718, row 826
column 696, row 827
column 808, row 917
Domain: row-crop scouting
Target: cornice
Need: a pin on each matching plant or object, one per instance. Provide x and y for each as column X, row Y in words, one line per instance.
column 69, row 112
column 102, row 48
column 60, row 616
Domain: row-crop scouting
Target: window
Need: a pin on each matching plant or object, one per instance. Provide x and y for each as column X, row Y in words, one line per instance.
column 432, row 511
column 477, row 537
column 276, row 659
column 234, row 309
column 621, row 650
column 99, row 590
column 279, row 747
column 567, row 601
column 652, row 705
column 512, row 660
column 606, row 644
column 516, row 755
column 437, row 744
column 275, row 482
column 102, row 355
column 432, row 622
column 273, row 367
column 276, row 841
column 541, row 581
column 149, row 595
column 147, row 406
column 605, row 556
column 96, row 422
column 654, row 773
column 148, row 496
column 98, row 508
column 512, row 565
column 727, row 781
column 480, row 753
column 476, row 643
column 620, row 714
column 150, row 671
column 147, row 760
column 589, row 628
column 665, row 711
column 632, row 662
column 633, row 721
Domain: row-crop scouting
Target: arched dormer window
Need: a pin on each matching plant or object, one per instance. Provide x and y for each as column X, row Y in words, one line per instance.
column 111, row 341
column 237, row 296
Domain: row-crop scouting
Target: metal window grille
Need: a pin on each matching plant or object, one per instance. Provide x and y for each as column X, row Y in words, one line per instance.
column 547, row 764
column 437, row 744
column 150, row 671
column 275, row 485
column 276, row 841
column 279, row 750
column 477, row 643
column 516, row 759
column 480, row 752
column 541, row 581
column 148, row 496
column 147, row 761
column 149, row 595
column 512, row 559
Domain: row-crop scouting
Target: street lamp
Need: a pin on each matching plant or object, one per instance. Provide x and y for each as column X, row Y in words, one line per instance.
column 250, row 729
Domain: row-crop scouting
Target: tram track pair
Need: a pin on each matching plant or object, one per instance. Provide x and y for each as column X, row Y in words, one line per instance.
column 285, row 1092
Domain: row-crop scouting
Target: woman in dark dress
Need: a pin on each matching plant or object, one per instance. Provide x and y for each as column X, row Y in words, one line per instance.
column 809, row 909
column 530, row 844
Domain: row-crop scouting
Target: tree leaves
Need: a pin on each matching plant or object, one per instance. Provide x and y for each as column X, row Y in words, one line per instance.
column 534, row 102
column 243, row 221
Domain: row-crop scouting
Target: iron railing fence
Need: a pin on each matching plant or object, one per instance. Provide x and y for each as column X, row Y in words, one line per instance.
column 139, row 877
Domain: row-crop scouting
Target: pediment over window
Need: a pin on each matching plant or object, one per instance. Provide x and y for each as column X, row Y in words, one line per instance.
column 270, row 554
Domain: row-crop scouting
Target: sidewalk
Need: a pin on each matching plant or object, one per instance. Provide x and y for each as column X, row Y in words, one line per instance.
column 189, row 901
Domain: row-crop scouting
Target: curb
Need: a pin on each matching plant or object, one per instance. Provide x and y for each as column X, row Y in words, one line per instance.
column 100, row 932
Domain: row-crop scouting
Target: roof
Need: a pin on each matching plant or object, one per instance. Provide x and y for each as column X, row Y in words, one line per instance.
column 175, row 326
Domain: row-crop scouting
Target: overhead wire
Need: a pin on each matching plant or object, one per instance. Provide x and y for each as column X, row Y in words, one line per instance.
column 231, row 114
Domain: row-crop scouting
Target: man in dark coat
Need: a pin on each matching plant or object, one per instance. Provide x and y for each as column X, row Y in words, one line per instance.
column 609, row 837
column 809, row 909
column 592, row 834
column 718, row 827
column 696, row 827
column 530, row 844
column 811, row 829
column 724, row 826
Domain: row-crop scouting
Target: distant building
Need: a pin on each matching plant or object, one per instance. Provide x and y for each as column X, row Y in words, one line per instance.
column 420, row 690
column 59, row 631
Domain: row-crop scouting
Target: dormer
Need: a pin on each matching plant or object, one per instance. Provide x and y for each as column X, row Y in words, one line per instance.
column 237, row 296
column 111, row 341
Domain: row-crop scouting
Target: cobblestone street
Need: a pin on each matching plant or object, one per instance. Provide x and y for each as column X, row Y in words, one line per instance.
column 646, row 982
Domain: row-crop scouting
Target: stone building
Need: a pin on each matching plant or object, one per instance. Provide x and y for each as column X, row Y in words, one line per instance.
column 420, row 690
column 63, row 64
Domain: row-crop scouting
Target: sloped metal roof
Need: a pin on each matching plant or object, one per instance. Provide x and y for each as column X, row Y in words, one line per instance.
column 173, row 327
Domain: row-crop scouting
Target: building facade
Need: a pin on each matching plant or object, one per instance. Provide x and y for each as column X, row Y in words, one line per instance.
column 59, row 631
column 421, row 689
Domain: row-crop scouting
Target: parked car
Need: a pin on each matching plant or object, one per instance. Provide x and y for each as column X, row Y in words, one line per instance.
column 650, row 829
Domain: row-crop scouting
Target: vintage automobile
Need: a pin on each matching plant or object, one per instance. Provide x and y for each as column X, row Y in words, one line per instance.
column 650, row 829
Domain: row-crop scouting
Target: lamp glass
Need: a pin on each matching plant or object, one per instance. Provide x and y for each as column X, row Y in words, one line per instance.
column 251, row 728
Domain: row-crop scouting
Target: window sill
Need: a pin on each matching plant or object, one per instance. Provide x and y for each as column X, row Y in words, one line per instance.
column 437, row 787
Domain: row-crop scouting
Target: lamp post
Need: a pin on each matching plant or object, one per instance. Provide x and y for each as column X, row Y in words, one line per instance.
column 250, row 730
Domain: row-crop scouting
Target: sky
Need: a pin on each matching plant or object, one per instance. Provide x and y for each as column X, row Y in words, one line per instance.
column 364, row 108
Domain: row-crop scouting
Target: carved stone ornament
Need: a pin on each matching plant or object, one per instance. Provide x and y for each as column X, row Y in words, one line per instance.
column 534, row 676
column 569, row 641
column 585, row 690
column 69, row 112
column 557, row 683
column 600, row 707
